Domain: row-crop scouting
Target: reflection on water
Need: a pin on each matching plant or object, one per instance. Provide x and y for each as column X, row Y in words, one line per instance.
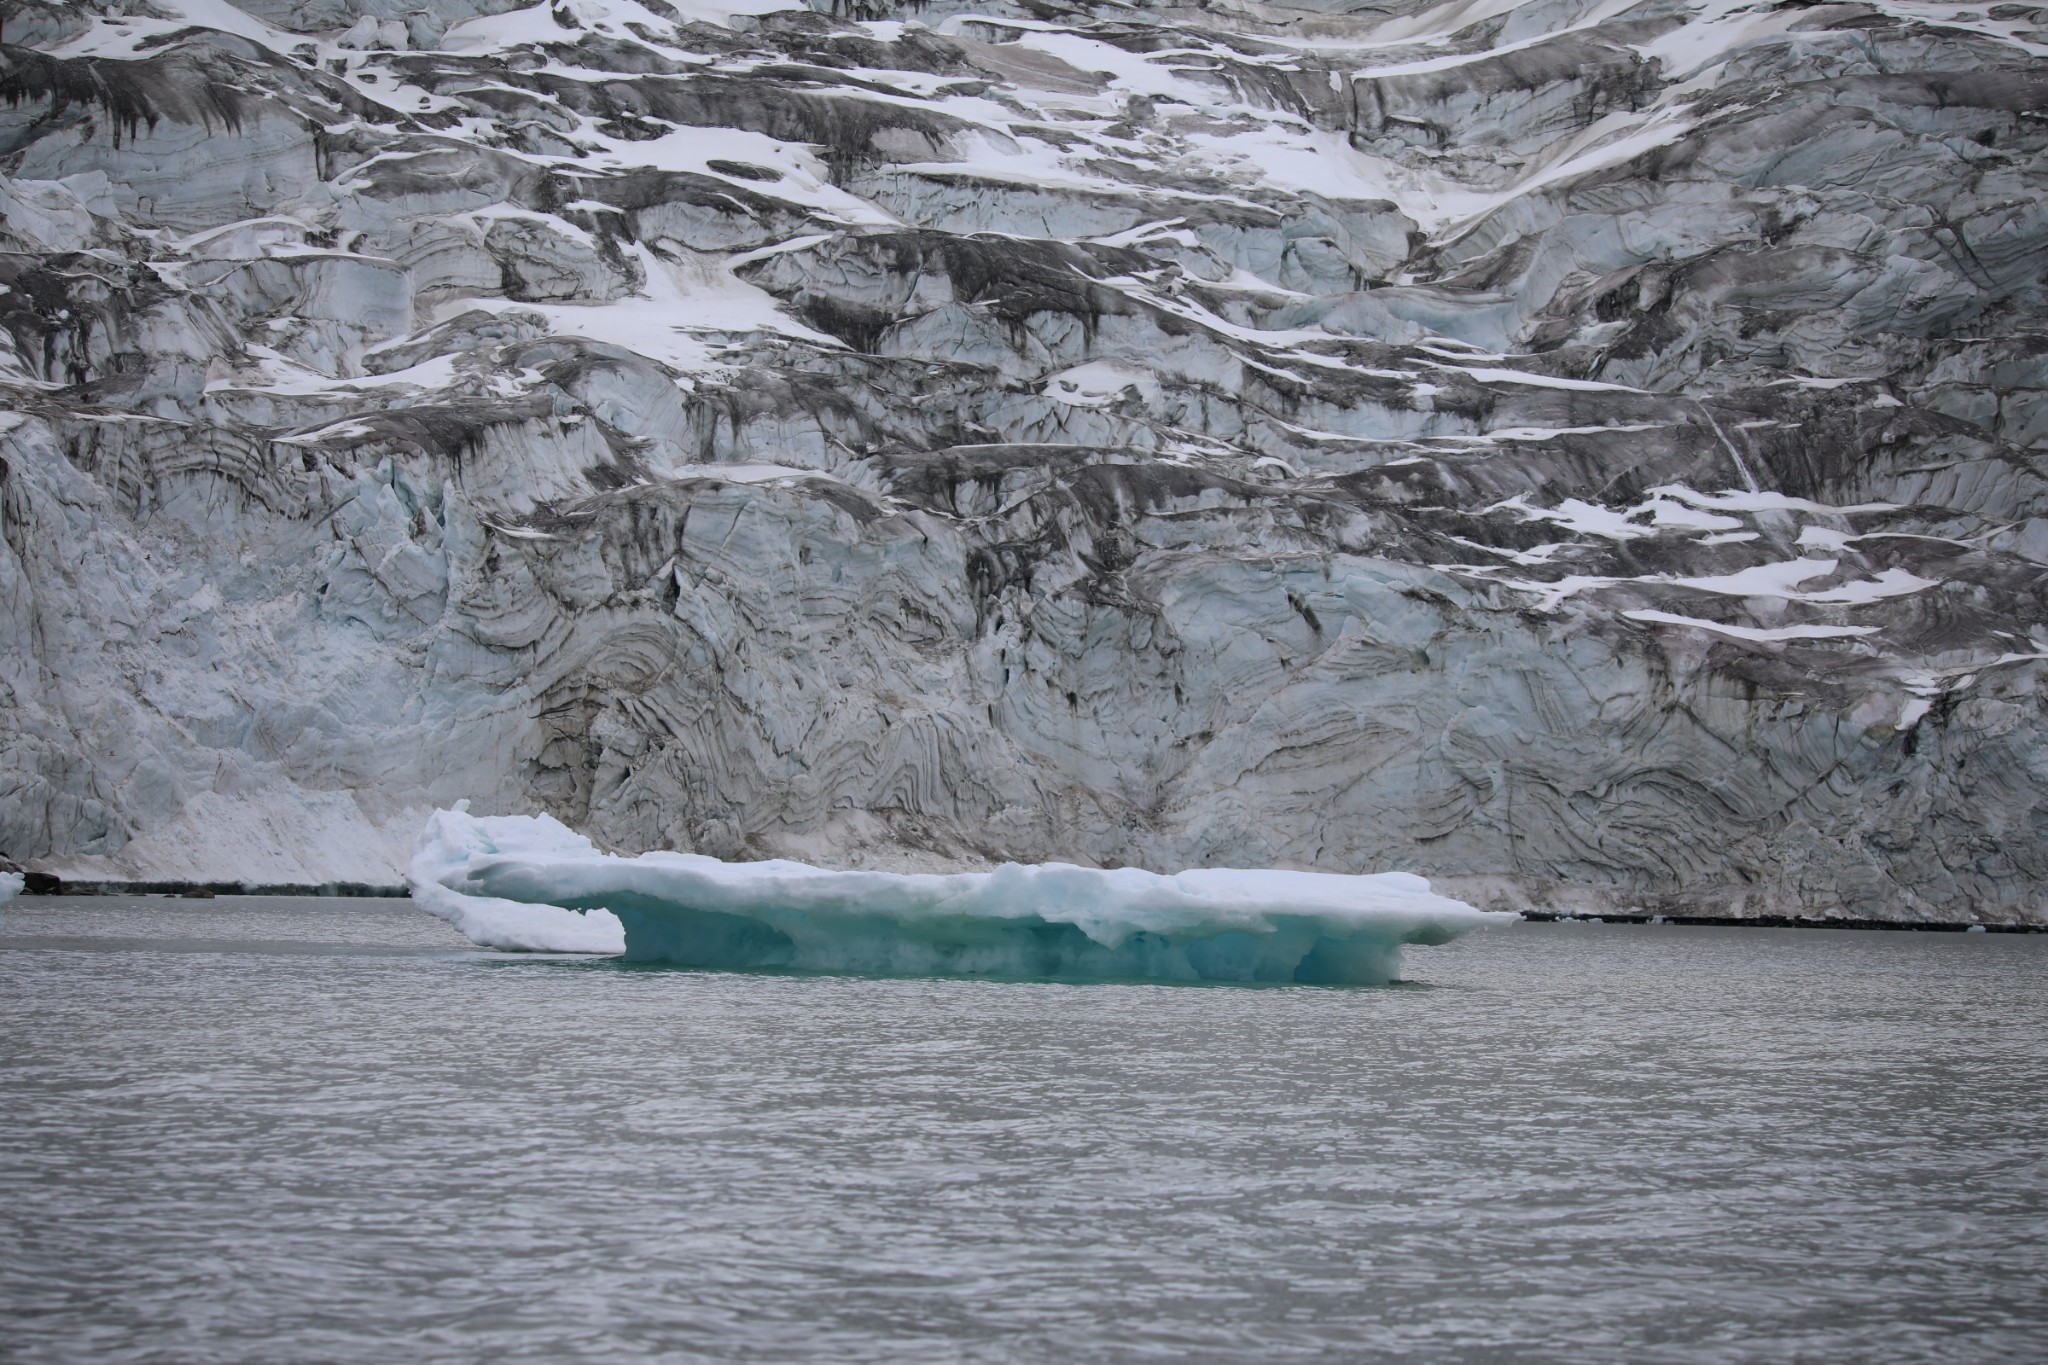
column 276, row 1130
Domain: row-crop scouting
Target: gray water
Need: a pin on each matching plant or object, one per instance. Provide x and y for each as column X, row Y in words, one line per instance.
column 328, row 1131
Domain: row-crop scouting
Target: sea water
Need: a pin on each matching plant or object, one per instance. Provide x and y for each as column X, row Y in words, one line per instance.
column 299, row 1130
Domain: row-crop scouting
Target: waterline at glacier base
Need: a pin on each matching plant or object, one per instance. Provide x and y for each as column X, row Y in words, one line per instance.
column 530, row 883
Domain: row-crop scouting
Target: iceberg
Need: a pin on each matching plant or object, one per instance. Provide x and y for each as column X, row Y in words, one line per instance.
column 531, row 883
column 10, row 886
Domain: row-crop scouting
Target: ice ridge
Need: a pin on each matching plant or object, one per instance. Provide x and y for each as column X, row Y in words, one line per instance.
column 530, row 882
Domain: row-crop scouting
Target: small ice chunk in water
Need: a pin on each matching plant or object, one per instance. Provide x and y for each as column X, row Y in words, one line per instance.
column 530, row 882
column 10, row 886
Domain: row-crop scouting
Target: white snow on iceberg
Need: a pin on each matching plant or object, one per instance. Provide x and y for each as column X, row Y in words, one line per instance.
column 531, row 883
column 454, row 840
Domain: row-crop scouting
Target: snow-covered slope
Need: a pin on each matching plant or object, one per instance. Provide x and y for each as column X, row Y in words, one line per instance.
column 1587, row 453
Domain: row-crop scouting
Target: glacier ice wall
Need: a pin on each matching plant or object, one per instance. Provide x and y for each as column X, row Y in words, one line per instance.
column 1587, row 452
column 530, row 882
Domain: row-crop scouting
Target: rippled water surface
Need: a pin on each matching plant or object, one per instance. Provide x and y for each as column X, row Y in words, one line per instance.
column 300, row 1130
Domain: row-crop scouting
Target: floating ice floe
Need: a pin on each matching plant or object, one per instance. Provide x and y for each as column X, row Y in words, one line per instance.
column 529, row 882
column 10, row 886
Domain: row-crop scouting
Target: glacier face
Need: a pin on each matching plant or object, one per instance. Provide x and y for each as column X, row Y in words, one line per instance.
column 529, row 882
column 1588, row 453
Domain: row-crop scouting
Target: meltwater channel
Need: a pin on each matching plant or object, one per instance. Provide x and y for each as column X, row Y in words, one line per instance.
column 276, row 1130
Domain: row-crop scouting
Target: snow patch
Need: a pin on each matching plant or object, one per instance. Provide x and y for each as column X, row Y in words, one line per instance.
column 1756, row 634
column 1100, row 383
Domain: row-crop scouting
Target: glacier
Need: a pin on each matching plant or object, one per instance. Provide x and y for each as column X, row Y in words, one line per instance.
column 1593, row 453
column 532, row 883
